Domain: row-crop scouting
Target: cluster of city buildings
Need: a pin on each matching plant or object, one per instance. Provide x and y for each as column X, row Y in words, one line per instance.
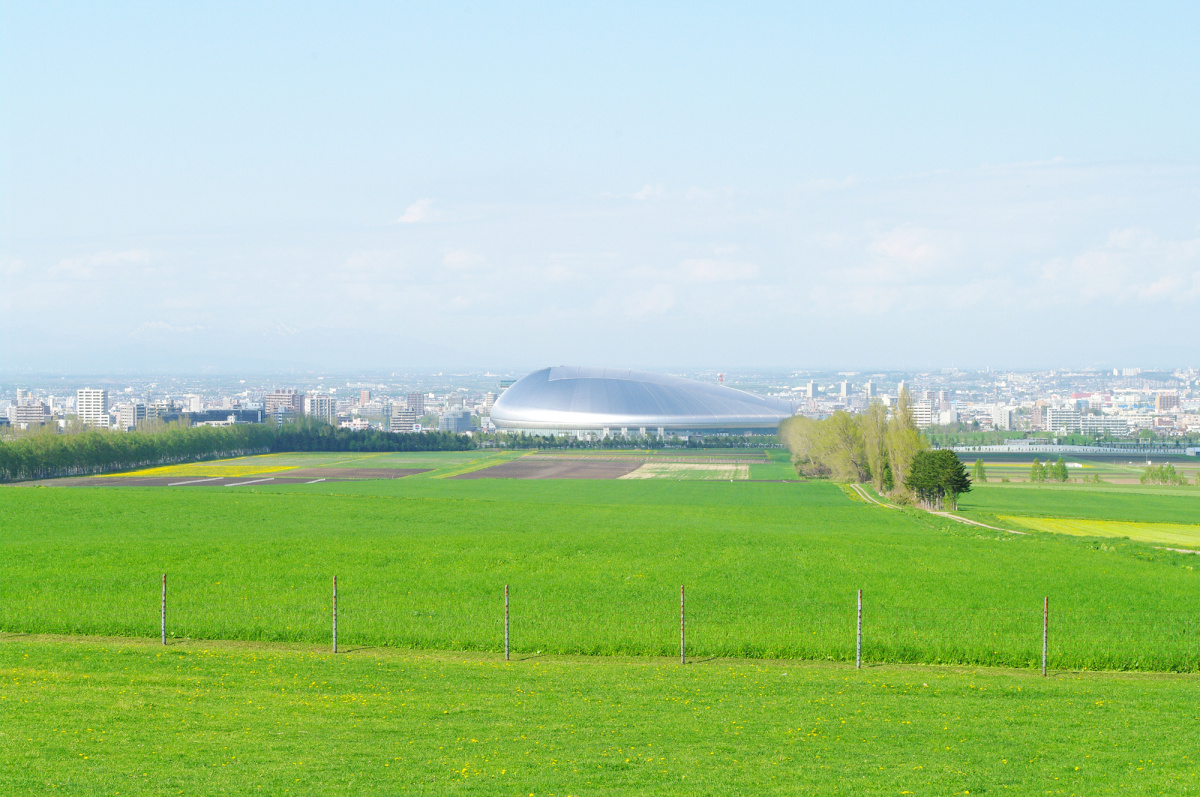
column 1118, row 403
column 1099, row 404
column 459, row 411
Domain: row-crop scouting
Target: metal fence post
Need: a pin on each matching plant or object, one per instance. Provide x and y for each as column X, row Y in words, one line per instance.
column 506, row 622
column 335, row 614
column 1045, row 631
column 682, row 628
column 164, row 608
column 858, row 643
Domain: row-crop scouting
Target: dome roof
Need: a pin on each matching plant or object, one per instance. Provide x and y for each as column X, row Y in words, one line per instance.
column 568, row 398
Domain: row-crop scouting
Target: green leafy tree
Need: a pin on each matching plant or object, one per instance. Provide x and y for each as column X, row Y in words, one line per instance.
column 904, row 440
column 937, row 478
column 874, row 425
column 978, row 474
column 1060, row 470
column 1037, row 472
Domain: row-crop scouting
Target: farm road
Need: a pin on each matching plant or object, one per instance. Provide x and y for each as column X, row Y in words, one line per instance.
column 858, row 488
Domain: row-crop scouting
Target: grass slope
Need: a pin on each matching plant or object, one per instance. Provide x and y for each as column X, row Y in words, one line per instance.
column 107, row 717
column 595, row 567
column 1099, row 502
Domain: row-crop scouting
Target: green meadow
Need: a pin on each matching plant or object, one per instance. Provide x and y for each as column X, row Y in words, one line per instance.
column 594, row 567
column 92, row 716
column 1132, row 503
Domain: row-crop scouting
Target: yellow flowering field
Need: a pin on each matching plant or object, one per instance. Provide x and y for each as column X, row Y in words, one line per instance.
column 212, row 469
column 1176, row 534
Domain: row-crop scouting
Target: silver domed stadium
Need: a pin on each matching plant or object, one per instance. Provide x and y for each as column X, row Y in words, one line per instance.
column 574, row 399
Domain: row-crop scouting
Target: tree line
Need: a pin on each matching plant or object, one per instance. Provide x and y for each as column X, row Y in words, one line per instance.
column 885, row 449
column 1165, row 474
column 48, row 455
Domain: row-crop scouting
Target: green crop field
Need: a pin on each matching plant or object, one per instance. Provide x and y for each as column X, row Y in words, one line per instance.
column 1016, row 469
column 132, row 717
column 594, row 568
column 1133, row 503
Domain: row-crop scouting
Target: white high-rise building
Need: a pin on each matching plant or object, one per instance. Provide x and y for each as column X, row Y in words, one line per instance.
column 321, row 405
column 91, row 405
column 131, row 414
column 922, row 413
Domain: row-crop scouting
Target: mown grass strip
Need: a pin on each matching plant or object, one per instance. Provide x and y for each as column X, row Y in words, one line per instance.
column 105, row 716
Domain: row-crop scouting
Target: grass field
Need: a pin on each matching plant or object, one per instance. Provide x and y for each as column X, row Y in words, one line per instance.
column 594, row 567
column 1131, row 503
column 1186, row 536
column 131, row 717
column 1113, row 471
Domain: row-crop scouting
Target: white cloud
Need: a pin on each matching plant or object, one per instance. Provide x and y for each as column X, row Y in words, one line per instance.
column 99, row 265
column 717, row 271
column 156, row 328
column 417, row 212
column 649, row 191
column 911, row 245
column 462, row 260
column 651, row 301
column 1134, row 265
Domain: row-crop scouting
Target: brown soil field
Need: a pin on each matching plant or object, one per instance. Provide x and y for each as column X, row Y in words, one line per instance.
column 555, row 468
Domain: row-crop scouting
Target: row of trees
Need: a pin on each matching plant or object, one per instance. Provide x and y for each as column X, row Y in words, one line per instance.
column 937, row 478
column 870, row 447
column 49, row 455
column 312, row 434
column 1165, row 474
column 1056, row 472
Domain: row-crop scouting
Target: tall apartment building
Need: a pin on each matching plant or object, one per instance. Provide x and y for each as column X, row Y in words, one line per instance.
column 416, row 403
column 91, row 405
column 403, row 419
column 364, row 397
column 1058, row 420
column 869, row 389
column 489, row 399
column 321, row 405
column 158, row 408
column 1098, row 425
column 456, row 421
column 1166, row 402
column 286, row 400
column 130, row 415
column 844, row 392
column 1002, row 418
column 31, row 413
column 922, row 413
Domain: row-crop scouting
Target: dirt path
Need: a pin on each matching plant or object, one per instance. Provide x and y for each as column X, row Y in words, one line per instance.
column 858, row 488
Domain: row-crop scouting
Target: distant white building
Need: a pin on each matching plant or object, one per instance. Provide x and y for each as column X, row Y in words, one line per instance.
column 91, row 405
column 29, row 413
column 403, row 419
column 321, row 405
column 1002, row 418
column 129, row 415
column 923, row 413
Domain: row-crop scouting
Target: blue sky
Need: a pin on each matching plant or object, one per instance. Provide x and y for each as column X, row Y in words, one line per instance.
column 401, row 185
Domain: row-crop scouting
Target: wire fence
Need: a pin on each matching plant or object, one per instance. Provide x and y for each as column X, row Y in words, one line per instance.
column 1046, row 633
